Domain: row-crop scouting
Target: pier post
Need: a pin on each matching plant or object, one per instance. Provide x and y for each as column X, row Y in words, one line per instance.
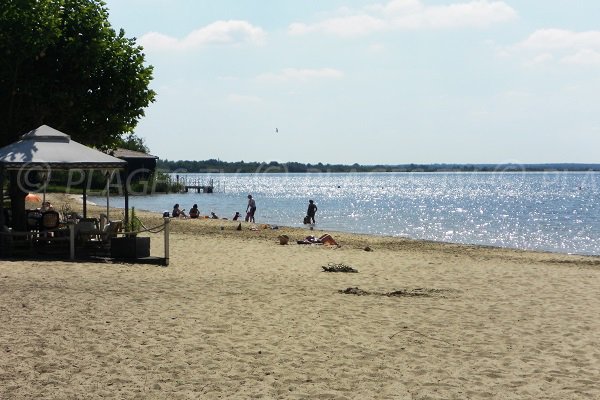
column 71, row 240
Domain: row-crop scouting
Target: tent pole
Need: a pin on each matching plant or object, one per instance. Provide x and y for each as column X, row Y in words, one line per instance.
column 84, row 195
column 2, row 222
column 125, row 183
column 108, row 176
column 45, row 184
column 71, row 240
column 3, row 251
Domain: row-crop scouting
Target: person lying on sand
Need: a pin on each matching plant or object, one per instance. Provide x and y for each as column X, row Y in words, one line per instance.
column 326, row 239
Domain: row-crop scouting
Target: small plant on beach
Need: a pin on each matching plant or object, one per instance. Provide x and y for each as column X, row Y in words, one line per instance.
column 134, row 222
column 66, row 211
column 331, row 267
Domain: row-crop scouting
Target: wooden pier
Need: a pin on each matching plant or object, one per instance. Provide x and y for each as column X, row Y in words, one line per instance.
column 196, row 184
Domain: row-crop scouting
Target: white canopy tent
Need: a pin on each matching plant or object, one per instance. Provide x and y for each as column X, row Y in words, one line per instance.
column 46, row 148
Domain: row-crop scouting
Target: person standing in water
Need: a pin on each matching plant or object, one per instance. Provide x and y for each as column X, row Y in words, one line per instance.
column 312, row 210
column 251, row 209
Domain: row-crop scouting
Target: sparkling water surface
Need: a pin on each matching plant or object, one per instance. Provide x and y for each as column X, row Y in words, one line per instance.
column 549, row 211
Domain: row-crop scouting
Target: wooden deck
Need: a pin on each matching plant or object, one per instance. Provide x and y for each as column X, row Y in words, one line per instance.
column 197, row 185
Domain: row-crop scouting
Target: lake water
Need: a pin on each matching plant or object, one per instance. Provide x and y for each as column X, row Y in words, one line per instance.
column 551, row 211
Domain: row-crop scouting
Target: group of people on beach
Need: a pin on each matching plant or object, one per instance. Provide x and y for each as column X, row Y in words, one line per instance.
column 195, row 212
column 250, row 211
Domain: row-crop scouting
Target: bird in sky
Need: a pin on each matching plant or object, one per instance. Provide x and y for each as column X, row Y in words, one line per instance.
column 276, row 130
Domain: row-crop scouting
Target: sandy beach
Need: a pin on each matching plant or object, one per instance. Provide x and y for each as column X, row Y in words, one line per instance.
column 237, row 315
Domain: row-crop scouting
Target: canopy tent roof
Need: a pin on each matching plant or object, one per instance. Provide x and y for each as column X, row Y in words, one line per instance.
column 126, row 153
column 45, row 146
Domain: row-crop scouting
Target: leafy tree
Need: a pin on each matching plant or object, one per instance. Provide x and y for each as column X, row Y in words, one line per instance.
column 133, row 142
column 62, row 64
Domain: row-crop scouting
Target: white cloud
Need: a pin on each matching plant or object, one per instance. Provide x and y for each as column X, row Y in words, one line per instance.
column 155, row 40
column 218, row 33
column 540, row 59
column 409, row 15
column 583, row 57
column 341, row 26
column 301, row 75
column 477, row 14
column 569, row 47
column 561, row 39
column 398, row 6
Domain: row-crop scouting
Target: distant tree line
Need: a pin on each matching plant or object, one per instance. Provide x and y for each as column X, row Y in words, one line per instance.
column 213, row 165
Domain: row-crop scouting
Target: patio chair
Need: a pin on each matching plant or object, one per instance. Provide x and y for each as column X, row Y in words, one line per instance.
column 49, row 220
column 101, row 244
column 51, row 241
column 34, row 219
column 87, row 229
column 111, row 229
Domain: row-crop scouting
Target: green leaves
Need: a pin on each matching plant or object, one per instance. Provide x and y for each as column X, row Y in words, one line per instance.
column 63, row 65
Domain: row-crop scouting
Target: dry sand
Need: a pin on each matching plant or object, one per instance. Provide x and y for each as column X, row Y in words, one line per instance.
column 236, row 315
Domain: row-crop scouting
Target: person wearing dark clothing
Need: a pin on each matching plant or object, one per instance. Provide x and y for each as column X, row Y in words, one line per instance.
column 251, row 209
column 177, row 213
column 194, row 212
column 312, row 210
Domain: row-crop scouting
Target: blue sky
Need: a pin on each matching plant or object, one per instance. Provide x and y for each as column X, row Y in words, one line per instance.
column 390, row 82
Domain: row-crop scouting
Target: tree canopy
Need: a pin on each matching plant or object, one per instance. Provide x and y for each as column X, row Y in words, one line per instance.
column 63, row 65
column 133, row 142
